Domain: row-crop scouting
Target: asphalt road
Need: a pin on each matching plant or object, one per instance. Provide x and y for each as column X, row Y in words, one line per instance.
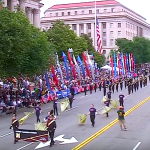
column 67, row 123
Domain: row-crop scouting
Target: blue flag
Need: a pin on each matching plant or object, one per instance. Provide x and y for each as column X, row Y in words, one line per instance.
column 115, row 71
column 66, row 64
column 48, row 84
column 81, row 64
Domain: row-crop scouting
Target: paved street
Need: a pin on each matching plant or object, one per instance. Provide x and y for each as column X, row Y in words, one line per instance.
column 67, row 124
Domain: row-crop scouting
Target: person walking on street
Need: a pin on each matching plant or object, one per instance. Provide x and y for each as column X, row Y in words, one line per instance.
column 95, row 87
column 15, row 126
column 109, row 95
column 38, row 112
column 121, row 99
column 85, row 89
column 51, row 127
column 55, row 106
column 107, row 103
column 70, row 100
column 92, row 113
column 121, row 119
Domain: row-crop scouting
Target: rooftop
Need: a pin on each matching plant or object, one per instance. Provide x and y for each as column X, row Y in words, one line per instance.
column 83, row 4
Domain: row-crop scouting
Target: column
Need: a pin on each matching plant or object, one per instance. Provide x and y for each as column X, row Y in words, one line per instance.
column 5, row 3
column 108, row 34
column 78, row 31
column 85, row 28
column 36, row 17
column 92, row 33
column 70, row 26
column 13, row 4
column 29, row 13
column 22, row 4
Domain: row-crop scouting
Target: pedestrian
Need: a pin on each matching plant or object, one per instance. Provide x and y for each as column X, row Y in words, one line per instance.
column 55, row 106
column 91, row 87
column 70, row 100
column 92, row 113
column 100, row 86
column 117, row 83
column 121, row 99
column 72, row 91
column 38, row 112
column 129, row 88
column 109, row 95
column 51, row 127
column 107, row 103
column 85, row 89
column 15, row 126
column 95, row 87
column 121, row 119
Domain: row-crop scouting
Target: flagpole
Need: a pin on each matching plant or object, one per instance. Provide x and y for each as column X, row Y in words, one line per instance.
column 95, row 29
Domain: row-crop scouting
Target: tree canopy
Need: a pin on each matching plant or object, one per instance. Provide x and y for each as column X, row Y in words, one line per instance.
column 63, row 38
column 23, row 48
column 140, row 47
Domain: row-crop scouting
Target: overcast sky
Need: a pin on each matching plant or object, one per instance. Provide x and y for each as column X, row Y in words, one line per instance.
column 141, row 7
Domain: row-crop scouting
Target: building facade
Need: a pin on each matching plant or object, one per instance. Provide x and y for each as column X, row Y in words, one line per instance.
column 115, row 21
column 30, row 7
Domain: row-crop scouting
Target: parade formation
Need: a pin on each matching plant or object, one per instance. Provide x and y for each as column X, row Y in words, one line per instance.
column 50, row 90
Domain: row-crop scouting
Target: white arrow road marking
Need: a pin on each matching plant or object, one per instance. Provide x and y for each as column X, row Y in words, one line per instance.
column 6, row 134
column 137, row 146
column 25, row 146
column 58, row 138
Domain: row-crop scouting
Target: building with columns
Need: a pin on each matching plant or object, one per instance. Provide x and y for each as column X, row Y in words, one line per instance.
column 115, row 21
column 30, row 7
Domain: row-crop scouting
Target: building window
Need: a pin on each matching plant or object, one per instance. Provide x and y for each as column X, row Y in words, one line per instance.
column 74, row 27
column 82, row 11
column 104, row 52
column 89, row 34
column 131, row 27
column 104, row 34
column 126, row 33
column 105, row 10
column 89, row 26
column 112, row 9
column 68, row 13
column 131, row 34
column 104, row 25
column 111, row 25
column 111, row 33
column 62, row 13
column 76, row 12
column 126, row 25
column 112, row 42
column 56, row 14
column 97, row 11
column 50, row 14
column 81, row 26
column 119, row 33
column 119, row 25
column 104, row 42
column 90, row 11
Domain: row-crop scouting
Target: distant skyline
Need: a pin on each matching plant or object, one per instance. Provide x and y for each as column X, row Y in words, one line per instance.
column 140, row 7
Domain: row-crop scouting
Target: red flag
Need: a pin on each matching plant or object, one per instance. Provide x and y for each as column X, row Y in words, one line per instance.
column 132, row 62
column 72, row 65
column 54, row 76
column 119, row 62
column 125, row 64
column 86, row 66
column 112, row 65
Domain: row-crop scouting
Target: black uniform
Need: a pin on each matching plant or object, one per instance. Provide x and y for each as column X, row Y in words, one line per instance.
column 113, row 87
column 55, row 107
column 91, row 88
column 129, row 88
column 109, row 95
column 100, row 86
column 141, row 82
column 95, row 87
column 135, row 86
column 85, row 89
column 92, row 115
column 15, row 125
column 51, row 127
column 132, row 85
column 117, row 86
column 121, row 85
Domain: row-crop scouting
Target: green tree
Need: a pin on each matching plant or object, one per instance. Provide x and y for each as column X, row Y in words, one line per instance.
column 64, row 38
column 99, row 59
column 23, row 48
column 89, row 40
column 140, row 47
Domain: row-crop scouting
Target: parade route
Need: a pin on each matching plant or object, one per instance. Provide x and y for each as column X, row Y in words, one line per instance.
column 68, row 125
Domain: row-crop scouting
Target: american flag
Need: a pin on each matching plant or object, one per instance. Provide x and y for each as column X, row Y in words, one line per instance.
column 99, row 42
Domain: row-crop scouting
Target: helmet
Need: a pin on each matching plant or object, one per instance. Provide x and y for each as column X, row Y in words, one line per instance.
column 120, row 107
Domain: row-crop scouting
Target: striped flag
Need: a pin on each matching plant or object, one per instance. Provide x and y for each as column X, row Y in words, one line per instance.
column 99, row 42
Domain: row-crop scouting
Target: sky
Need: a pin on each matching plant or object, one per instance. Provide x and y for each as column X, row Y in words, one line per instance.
column 141, row 7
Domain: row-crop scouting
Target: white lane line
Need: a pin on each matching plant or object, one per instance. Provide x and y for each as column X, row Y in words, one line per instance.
column 25, row 146
column 72, row 108
column 6, row 134
column 138, row 144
